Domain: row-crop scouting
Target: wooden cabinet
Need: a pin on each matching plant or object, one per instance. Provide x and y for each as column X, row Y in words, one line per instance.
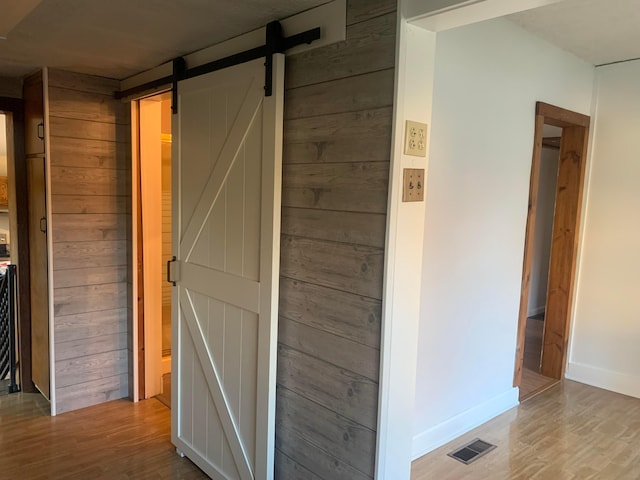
column 4, row 193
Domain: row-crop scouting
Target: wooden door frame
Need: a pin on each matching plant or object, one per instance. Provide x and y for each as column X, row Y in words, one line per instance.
column 141, row 386
column 16, row 164
column 564, row 244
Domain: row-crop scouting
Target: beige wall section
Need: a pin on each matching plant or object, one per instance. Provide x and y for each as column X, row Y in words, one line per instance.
column 90, row 191
column 337, row 142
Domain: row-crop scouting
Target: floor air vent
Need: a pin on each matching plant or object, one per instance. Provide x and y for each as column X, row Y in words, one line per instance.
column 471, row 451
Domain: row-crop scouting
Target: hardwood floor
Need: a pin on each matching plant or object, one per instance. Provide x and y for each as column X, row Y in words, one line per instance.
column 116, row 440
column 570, row 432
column 533, row 382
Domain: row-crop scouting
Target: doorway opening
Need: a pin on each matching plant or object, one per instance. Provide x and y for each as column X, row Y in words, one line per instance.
column 8, row 297
column 152, row 244
column 550, row 255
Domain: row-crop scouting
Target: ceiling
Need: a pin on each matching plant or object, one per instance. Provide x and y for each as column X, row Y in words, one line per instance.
column 119, row 38
column 598, row 31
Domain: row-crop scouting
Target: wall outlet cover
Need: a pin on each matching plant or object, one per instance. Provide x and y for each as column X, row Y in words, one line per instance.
column 415, row 139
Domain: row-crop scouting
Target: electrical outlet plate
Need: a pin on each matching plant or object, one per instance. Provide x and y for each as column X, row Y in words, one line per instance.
column 413, row 185
column 415, row 139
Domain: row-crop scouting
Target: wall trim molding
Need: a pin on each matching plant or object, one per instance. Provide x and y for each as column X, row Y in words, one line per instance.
column 462, row 423
column 609, row 380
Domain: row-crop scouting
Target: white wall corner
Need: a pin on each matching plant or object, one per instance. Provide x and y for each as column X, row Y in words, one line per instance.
column 462, row 423
column 403, row 259
column 586, row 195
column 609, row 380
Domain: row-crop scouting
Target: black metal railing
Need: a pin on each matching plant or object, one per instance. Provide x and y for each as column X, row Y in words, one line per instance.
column 8, row 328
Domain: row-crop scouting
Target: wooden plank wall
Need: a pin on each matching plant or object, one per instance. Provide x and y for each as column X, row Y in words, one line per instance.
column 90, row 187
column 338, row 122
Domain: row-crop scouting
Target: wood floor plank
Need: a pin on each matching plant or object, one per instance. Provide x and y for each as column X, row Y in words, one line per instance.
column 572, row 431
column 115, row 440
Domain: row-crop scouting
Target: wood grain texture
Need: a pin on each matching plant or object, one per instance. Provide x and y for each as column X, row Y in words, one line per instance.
column 350, row 187
column 61, row 127
column 304, row 457
column 337, row 147
column 83, row 326
column 560, row 117
column 370, row 46
column 351, row 442
column 90, row 186
column 98, row 344
column 86, row 394
column 88, row 227
column 93, row 107
column 116, row 440
column 348, row 268
column 339, row 138
column 89, row 298
column 564, row 250
column 352, row 94
column 83, row 83
column 350, row 316
column 363, row 10
column 90, row 204
column 88, row 181
column 345, row 393
column 330, row 348
column 67, row 255
column 346, row 227
column 38, row 274
column 82, row 152
column 285, row 467
column 93, row 367
column 90, row 276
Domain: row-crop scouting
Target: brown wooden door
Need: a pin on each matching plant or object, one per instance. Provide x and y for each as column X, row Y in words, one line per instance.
column 38, row 274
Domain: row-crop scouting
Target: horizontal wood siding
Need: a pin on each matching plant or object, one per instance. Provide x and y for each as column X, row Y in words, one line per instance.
column 337, row 144
column 89, row 155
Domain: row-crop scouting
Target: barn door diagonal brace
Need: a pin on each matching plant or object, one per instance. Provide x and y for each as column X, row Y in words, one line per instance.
column 275, row 43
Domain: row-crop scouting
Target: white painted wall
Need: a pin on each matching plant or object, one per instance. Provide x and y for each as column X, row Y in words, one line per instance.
column 488, row 77
column 543, row 230
column 605, row 343
column 403, row 257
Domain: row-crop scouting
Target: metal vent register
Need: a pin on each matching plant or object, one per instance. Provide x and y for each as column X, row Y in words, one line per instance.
column 471, row 451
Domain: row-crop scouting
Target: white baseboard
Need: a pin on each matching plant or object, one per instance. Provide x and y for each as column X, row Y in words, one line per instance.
column 607, row 379
column 451, row 429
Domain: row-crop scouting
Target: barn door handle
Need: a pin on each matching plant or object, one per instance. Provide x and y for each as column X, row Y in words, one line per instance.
column 41, row 129
column 169, row 262
column 43, row 225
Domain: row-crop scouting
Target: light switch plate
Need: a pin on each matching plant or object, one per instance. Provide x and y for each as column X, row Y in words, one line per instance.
column 413, row 185
column 415, row 139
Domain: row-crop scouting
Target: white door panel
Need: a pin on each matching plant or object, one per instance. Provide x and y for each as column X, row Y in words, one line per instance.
column 228, row 154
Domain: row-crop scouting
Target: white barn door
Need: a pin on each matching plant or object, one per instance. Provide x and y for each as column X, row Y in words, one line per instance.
column 227, row 178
